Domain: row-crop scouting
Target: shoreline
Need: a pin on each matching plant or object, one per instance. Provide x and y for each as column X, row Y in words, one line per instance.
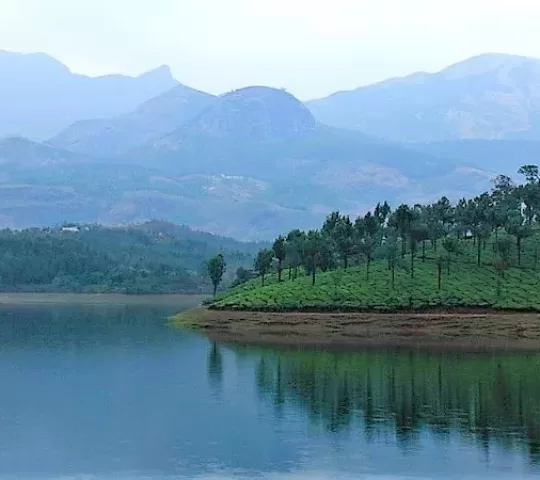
column 465, row 330
column 10, row 299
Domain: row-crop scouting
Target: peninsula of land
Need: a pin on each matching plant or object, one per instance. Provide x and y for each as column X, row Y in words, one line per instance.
column 461, row 275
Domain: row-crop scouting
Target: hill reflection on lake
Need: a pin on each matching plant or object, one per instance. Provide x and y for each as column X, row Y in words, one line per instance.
column 485, row 400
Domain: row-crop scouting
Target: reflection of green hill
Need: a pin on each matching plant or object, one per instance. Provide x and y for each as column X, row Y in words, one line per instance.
column 488, row 399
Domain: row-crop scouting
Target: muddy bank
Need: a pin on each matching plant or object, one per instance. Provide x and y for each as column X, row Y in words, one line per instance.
column 468, row 331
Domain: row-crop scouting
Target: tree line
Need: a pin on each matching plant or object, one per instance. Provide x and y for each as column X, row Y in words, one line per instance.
column 150, row 258
column 497, row 222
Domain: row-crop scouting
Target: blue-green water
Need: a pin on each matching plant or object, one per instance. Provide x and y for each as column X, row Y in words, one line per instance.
column 114, row 392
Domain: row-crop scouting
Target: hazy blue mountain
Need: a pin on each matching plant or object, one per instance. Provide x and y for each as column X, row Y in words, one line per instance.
column 41, row 186
column 491, row 96
column 252, row 164
column 503, row 156
column 151, row 120
column 255, row 114
column 40, row 96
column 267, row 139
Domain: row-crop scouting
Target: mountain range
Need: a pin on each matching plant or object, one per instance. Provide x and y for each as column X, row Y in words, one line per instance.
column 490, row 96
column 148, row 121
column 256, row 161
column 40, row 96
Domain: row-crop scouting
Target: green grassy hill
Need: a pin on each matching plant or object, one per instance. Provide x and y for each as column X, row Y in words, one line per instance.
column 463, row 284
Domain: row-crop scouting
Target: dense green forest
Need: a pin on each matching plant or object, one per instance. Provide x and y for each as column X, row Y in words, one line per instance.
column 480, row 252
column 154, row 257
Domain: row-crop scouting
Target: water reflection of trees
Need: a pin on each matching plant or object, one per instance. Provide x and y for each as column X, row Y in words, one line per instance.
column 215, row 367
column 488, row 398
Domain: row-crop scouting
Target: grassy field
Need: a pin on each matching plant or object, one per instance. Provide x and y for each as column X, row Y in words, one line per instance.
column 463, row 284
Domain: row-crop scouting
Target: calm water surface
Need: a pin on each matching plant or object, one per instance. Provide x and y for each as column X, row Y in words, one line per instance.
column 115, row 393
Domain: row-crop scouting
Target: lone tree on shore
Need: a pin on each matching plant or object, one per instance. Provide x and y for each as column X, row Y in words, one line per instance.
column 215, row 268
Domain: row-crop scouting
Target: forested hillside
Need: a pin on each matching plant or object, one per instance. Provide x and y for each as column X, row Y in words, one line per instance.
column 480, row 252
column 155, row 257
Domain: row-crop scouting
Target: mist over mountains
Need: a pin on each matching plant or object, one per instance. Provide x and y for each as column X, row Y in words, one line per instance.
column 40, row 96
column 256, row 161
column 491, row 96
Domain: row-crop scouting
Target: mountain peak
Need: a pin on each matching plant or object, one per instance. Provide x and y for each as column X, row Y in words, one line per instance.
column 487, row 63
column 38, row 63
column 163, row 72
column 256, row 113
column 40, row 96
column 489, row 96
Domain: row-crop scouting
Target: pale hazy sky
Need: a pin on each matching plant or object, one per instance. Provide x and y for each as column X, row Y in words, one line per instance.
column 309, row 47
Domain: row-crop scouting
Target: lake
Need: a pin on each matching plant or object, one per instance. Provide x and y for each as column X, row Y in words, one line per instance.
column 112, row 391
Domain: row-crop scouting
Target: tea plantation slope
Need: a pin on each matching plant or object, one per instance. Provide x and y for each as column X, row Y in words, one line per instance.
column 466, row 285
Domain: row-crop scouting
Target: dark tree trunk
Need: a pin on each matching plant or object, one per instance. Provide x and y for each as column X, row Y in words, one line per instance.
column 535, row 257
column 279, row 268
column 448, row 265
column 412, row 264
column 403, row 247
column 345, row 262
column 518, row 242
column 313, row 273
column 290, row 272
column 393, row 276
column 479, row 253
column 367, row 268
column 423, row 251
column 215, row 289
column 439, row 275
column 262, row 279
